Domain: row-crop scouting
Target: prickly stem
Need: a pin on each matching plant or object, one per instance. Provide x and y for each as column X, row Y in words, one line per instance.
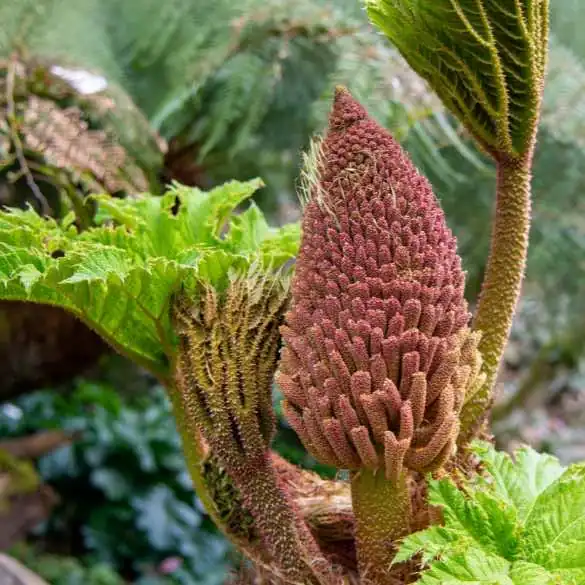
column 382, row 514
column 282, row 531
column 504, row 274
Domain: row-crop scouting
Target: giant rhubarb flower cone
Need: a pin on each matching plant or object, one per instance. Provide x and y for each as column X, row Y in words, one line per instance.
column 379, row 360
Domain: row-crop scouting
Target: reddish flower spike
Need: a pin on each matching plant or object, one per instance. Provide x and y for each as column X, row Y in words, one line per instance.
column 378, row 323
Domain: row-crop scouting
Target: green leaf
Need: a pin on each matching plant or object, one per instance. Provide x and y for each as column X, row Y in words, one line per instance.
column 484, row 58
column 471, row 566
column 502, row 525
column 28, row 274
column 249, row 229
column 282, row 245
column 103, row 264
column 430, row 542
column 519, row 481
column 204, row 217
column 491, row 526
column 523, row 573
column 120, row 277
column 522, row 522
column 554, row 535
column 459, row 512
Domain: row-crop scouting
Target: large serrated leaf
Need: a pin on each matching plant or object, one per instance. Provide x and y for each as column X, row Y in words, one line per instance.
column 523, row 573
column 554, row 535
column 430, row 542
column 120, row 276
column 476, row 568
column 519, row 481
column 463, row 514
column 249, row 229
column 472, row 566
column 522, row 522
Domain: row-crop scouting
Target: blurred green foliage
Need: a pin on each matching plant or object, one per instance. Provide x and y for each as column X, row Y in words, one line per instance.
column 235, row 88
column 126, row 497
column 59, row 570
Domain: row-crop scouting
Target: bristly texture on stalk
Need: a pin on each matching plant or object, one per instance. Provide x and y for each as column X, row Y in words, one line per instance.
column 227, row 355
column 379, row 360
column 228, row 348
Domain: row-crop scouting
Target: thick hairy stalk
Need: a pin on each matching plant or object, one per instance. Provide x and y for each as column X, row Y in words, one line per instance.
column 194, row 454
column 281, row 528
column 273, row 516
column 382, row 514
column 325, row 506
column 229, row 343
column 504, row 273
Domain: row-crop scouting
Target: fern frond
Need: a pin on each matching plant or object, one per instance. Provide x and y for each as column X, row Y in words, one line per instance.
column 58, row 145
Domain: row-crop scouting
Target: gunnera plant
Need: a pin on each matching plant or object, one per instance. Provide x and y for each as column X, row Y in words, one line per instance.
column 379, row 359
column 384, row 374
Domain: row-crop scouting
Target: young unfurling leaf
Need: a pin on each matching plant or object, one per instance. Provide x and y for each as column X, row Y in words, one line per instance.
column 484, row 58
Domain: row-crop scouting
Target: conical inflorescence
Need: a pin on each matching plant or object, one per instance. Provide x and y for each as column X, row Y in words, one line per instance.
column 379, row 359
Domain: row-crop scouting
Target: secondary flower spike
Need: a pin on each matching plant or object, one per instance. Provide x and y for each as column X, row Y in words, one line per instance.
column 378, row 360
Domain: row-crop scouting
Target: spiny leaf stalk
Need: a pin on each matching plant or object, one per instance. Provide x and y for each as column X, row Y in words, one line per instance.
column 228, row 348
column 505, row 271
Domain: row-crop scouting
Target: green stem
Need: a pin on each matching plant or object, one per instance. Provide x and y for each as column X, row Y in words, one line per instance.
column 194, row 455
column 285, row 538
column 505, row 271
column 382, row 515
column 194, row 452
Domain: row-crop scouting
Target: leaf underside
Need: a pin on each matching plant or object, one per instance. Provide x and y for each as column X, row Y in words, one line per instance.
column 484, row 58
